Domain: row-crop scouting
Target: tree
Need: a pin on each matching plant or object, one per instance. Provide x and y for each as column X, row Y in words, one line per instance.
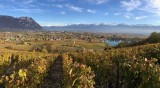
column 154, row 37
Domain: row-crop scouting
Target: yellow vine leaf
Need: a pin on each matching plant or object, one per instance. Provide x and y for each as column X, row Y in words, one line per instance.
column 22, row 73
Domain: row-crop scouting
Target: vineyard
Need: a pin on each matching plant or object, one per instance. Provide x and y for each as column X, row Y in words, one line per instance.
column 132, row 67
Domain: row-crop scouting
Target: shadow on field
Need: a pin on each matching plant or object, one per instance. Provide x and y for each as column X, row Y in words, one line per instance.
column 55, row 75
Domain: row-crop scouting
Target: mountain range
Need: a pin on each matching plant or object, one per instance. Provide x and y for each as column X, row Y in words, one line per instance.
column 9, row 23
column 107, row 28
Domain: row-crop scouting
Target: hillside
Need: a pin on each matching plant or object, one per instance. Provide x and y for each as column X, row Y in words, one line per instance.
column 9, row 23
column 44, row 66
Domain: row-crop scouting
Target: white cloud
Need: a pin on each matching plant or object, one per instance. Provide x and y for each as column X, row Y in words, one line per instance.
column 127, row 15
column 97, row 1
column 131, row 5
column 106, row 13
column 101, row 1
column 74, row 8
column 152, row 6
column 154, row 3
column 23, row 1
column 29, row 10
column 140, row 17
column 63, row 12
column 44, row 4
column 91, row 11
column 28, row 1
column 58, row 6
column 158, row 21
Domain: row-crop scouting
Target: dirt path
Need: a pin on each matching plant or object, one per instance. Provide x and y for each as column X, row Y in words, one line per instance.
column 55, row 75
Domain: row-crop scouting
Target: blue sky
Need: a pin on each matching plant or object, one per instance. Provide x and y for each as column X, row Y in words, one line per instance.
column 61, row 12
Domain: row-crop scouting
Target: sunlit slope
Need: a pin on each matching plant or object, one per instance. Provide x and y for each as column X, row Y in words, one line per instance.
column 132, row 67
column 128, row 67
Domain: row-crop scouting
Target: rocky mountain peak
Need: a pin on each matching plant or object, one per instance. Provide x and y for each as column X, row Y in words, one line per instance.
column 21, row 23
column 26, row 19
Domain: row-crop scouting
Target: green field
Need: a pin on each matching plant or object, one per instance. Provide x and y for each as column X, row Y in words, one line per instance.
column 66, row 45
